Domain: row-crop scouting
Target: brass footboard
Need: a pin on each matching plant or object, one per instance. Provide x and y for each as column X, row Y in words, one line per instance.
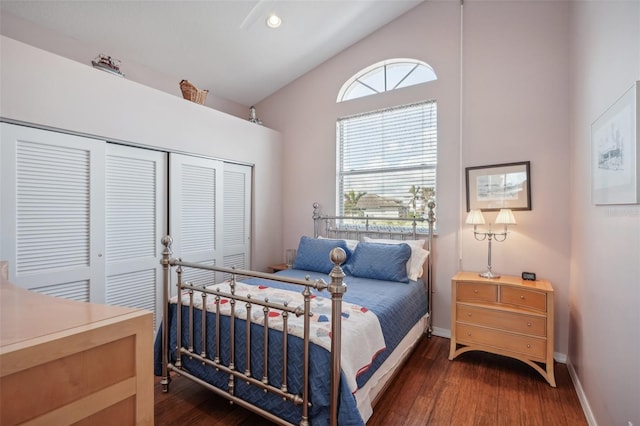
column 336, row 287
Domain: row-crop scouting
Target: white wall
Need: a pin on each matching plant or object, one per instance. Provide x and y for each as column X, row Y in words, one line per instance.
column 604, row 341
column 48, row 90
column 19, row 29
column 515, row 108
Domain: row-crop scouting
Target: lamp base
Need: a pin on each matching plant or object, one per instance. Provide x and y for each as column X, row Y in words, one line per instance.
column 489, row 274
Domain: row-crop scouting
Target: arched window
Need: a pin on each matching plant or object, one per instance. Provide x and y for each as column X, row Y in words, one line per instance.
column 386, row 76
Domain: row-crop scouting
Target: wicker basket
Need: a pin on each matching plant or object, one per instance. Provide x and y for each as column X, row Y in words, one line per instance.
column 192, row 93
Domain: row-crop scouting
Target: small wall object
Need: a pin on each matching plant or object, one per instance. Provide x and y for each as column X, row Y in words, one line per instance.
column 107, row 63
column 192, row 93
column 253, row 116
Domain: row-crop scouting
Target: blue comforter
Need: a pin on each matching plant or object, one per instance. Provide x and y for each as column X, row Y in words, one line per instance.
column 398, row 307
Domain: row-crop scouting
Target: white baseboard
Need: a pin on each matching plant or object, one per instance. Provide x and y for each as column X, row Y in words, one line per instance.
column 581, row 395
column 561, row 358
column 441, row 332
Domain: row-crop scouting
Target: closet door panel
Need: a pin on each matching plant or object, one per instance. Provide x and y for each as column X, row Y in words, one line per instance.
column 52, row 220
column 195, row 213
column 136, row 204
column 237, row 215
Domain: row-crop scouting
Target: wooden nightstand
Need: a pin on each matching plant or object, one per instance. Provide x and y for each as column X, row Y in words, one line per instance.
column 278, row 267
column 506, row 316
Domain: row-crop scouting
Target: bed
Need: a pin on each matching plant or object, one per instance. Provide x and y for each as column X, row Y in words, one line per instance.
column 314, row 344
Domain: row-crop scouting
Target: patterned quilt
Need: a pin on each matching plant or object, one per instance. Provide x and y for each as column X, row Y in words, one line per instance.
column 362, row 338
column 397, row 307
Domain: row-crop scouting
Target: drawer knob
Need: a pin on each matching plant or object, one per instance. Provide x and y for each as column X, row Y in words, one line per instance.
column 469, row 314
column 468, row 333
column 475, row 291
column 528, row 324
column 521, row 297
column 528, row 346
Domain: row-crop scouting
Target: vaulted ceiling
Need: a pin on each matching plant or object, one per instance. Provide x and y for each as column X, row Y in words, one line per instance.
column 223, row 45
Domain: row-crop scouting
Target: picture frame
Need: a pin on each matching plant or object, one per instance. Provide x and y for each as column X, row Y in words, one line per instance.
column 615, row 152
column 499, row 186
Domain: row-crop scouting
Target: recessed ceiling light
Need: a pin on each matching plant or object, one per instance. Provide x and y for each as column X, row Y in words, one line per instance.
column 274, row 21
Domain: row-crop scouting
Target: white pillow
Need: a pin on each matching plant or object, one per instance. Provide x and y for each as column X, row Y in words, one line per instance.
column 351, row 244
column 418, row 255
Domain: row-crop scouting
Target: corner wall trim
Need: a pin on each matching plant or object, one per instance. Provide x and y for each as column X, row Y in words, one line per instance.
column 582, row 397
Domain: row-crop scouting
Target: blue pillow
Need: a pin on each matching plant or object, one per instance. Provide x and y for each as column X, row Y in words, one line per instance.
column 313, row 254
column 386, row 262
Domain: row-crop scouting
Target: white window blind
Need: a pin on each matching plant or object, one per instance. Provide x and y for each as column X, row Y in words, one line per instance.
column 387, row 161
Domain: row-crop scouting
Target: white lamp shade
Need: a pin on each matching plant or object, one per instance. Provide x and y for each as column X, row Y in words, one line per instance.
column 505, row 216
column 475, row 217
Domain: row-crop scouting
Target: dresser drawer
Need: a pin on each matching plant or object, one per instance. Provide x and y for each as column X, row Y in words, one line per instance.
column 534, row 348
column 477, row 292
column 509, row 321
column 523, row 297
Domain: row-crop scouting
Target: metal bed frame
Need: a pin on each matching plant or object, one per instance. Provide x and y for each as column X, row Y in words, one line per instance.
column 339, row 227
column 336, row 287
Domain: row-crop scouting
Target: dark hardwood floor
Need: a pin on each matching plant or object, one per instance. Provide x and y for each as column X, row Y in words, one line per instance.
column 475, row 389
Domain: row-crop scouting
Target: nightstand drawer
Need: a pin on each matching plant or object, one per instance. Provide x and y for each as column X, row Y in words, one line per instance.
column 534, row 348
column 522, row 297
column 508, row 321
column 477, row 292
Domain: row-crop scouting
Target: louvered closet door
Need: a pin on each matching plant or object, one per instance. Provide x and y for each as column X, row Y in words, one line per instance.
column 136, row 200
column 195, row 213
column 52, row 212
column 237, row 215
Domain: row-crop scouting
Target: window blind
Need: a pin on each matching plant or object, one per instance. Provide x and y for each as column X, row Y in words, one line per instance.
column 387, row 161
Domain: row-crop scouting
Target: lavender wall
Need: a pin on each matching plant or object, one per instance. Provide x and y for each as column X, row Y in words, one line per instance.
column 306, row 111
column 604, row 341
column 514, row 108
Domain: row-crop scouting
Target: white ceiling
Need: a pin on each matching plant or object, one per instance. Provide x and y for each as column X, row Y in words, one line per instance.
column 221, row 45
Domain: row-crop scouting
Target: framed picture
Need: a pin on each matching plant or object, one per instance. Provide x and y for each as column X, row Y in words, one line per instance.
column 615, row 153
column 500, row 186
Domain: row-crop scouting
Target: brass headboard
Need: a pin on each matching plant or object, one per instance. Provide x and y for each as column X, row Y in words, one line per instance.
column 356, row 227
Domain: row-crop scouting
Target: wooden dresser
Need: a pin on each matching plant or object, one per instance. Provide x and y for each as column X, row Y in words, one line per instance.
column 64, row 362
column 506, row 316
